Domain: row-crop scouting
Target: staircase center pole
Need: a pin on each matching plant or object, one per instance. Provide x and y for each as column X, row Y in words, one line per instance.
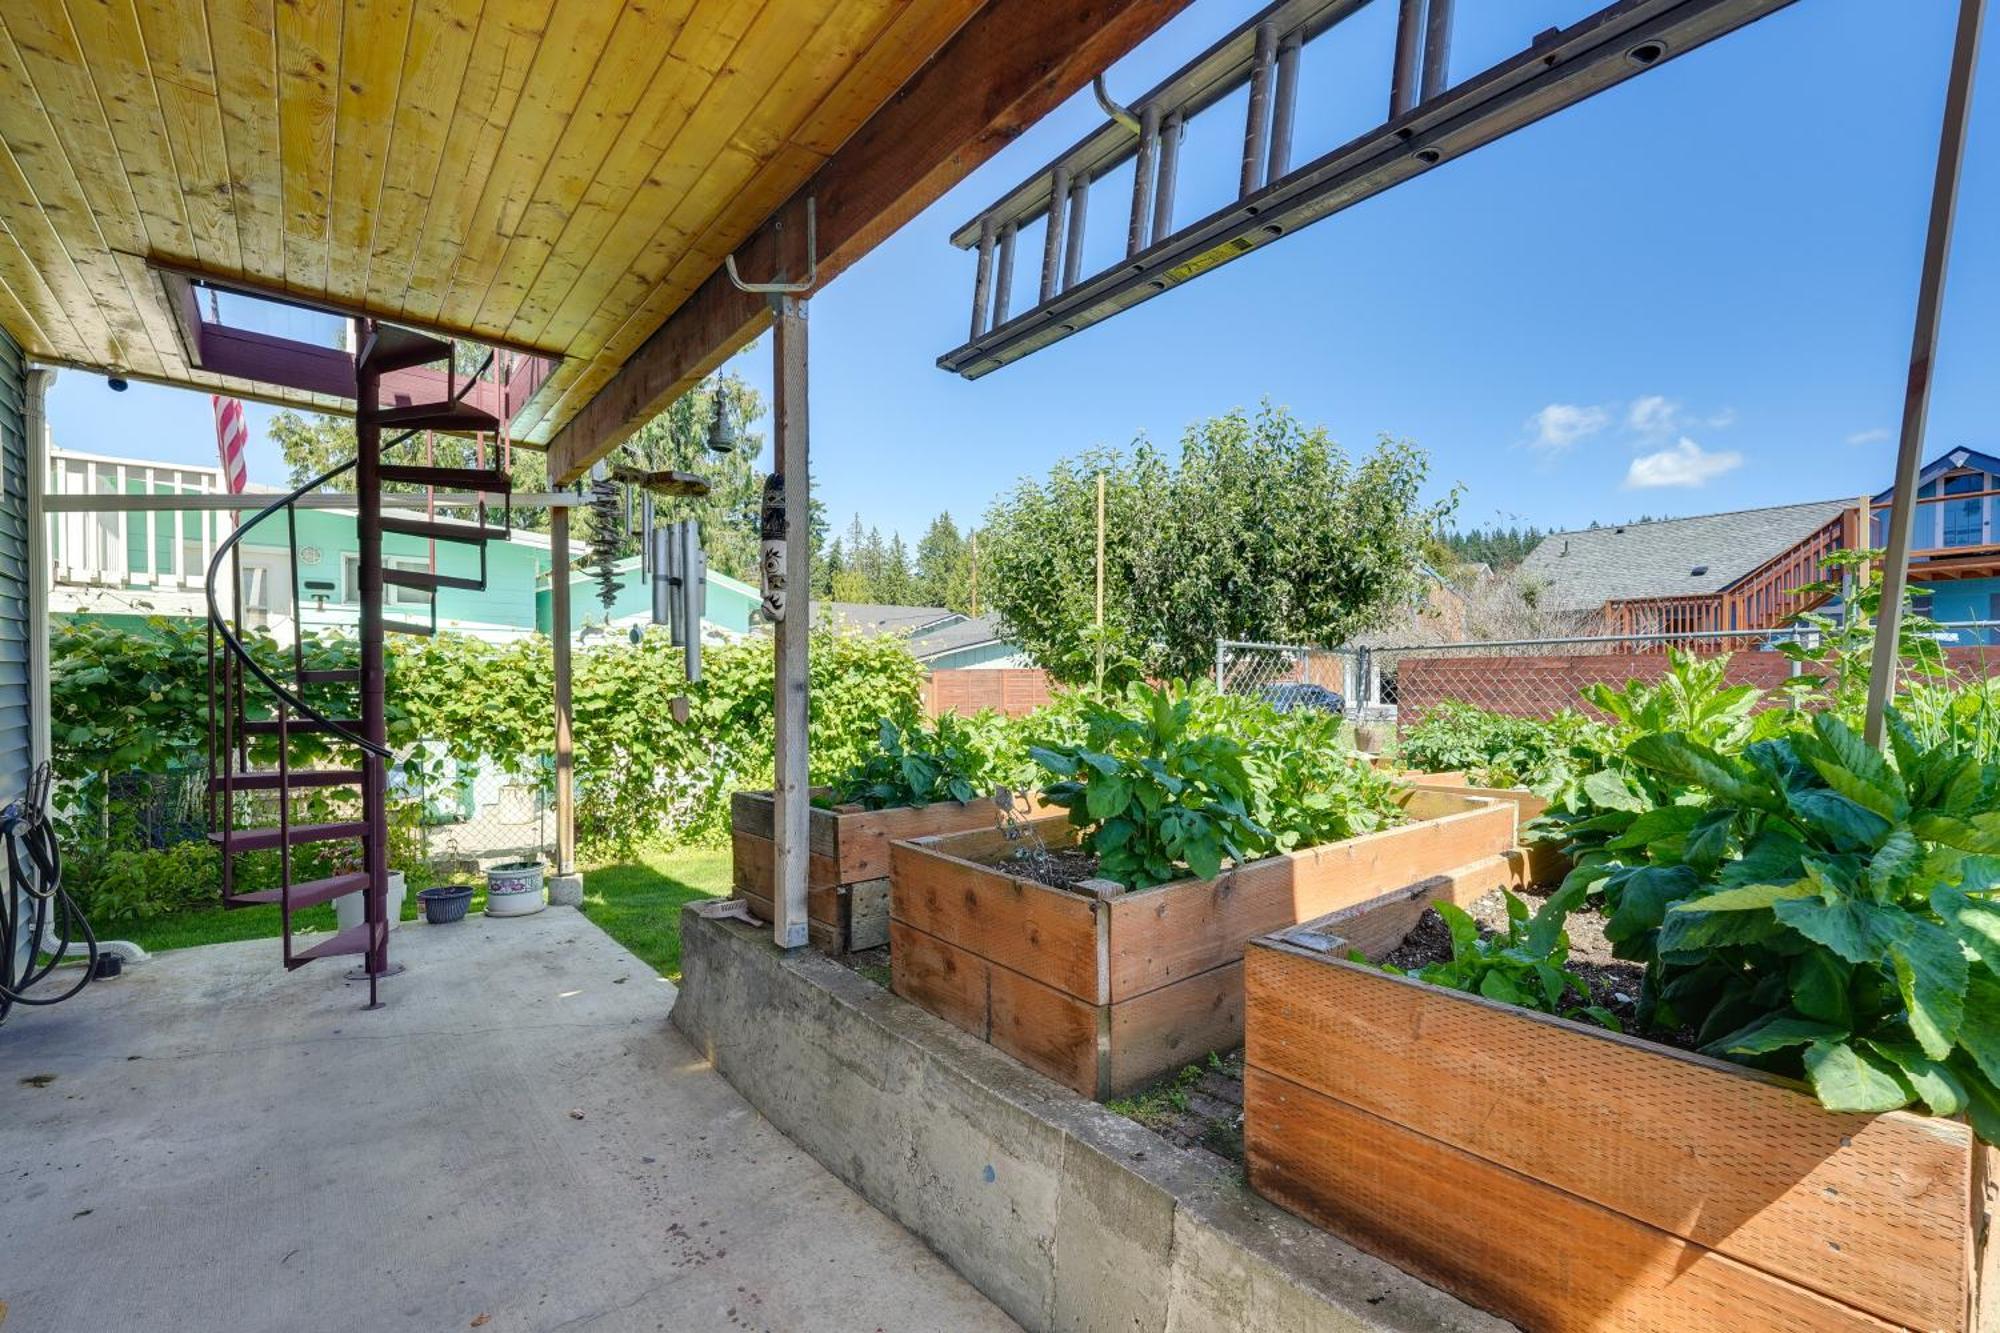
column 374, row 682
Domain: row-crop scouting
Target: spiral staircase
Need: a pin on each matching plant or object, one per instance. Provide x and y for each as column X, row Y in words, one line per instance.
column 262, row 714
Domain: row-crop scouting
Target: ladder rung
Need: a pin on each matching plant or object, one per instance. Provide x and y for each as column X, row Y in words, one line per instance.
column 306, row 893
column 426, row 581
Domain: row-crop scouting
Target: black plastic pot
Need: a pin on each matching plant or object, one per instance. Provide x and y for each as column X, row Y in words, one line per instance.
column 446, row 905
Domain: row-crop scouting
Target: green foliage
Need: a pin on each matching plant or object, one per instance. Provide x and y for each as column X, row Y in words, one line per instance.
column 951, row 759
column 123, row 703
column 1153, row 792
column 1174, row 781
column 1817, row 908
column 1549, row 756
column 1523, row 966
column 1262, row 529
column 115, row 886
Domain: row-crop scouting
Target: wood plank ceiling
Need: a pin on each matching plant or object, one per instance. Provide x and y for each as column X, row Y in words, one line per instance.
column 558, row 174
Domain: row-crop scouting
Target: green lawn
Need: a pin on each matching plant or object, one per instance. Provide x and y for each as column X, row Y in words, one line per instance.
column 637, row 902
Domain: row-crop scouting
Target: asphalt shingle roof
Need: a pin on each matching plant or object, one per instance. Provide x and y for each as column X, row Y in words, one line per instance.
column 882, row 617
column 1583, row 570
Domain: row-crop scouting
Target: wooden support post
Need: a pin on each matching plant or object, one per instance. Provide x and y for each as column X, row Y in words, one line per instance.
column 791, row 789
column 1923, row 349
column 559, row 637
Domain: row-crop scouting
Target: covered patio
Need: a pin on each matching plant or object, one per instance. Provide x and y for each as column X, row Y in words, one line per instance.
column 520, row 1141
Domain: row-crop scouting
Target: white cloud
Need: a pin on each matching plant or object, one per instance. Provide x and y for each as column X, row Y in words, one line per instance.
column 1560, row 425
column 1657, row 416
column 1877, row 435
column 1684, row 464
column 1654, row 414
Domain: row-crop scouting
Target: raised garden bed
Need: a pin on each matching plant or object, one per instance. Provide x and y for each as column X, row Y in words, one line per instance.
column 1105, row 990
column 847, row 885
column 1566, row 1177
column 1546, row 863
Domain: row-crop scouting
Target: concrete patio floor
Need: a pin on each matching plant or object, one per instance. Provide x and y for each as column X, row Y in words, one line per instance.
column 208, row 1142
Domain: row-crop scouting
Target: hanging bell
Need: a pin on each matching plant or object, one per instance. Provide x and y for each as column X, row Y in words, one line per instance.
column 721, row 431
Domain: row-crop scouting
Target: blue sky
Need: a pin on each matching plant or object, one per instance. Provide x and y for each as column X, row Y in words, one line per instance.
column 1691, row 293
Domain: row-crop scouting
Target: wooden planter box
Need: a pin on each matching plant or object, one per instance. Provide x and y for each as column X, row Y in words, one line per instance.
column 1546, row 865
column 847, row 884
column 1568, row 1178
column 1105, row 994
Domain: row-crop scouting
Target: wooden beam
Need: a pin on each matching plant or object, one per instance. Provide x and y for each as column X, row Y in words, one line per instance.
column 1010, row 65
column 791, row 791
column 559, row 641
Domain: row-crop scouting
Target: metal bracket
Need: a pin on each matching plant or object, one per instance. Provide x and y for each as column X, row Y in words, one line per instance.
column 784, row 288
column 1115, row 110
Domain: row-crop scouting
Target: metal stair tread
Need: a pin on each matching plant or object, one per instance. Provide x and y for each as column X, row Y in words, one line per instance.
column 270, row 836
column 456, row 415
column 270, row 779
column 300, row 726
column 307, row 893
column 391, row 347
column 330, row 676
column 353, row 940
column 424, row 580
column 484, row 480
column 438, row 530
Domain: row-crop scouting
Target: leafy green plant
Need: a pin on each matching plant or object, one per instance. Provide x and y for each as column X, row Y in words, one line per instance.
column 1815, row 907
column 1310, row 785
column 1522, row 967
column 1154, row 792
column 951, row 759
column 1546, row 755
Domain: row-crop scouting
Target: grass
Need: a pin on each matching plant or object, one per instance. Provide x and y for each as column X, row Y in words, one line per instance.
column 636, row 902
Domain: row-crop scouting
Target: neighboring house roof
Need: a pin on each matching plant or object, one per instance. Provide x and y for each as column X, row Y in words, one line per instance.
column 1952, row 460
column 956, row 636
column 1668, row 557
column 884, row 618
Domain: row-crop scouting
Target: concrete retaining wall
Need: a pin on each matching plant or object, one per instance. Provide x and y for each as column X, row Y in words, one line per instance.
column 1065, row 1215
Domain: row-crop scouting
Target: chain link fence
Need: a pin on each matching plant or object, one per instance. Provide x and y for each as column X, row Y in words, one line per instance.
column 1391, row 685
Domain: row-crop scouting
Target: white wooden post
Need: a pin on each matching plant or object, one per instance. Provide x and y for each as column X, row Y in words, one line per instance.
column 790, row 788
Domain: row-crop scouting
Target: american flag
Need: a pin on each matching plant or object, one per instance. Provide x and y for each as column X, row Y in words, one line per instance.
column 231, row 435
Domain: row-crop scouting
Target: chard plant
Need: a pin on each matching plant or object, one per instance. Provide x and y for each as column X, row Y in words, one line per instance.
column 1816, row 908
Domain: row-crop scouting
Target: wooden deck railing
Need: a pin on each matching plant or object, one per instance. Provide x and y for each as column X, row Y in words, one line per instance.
column 1768, row 596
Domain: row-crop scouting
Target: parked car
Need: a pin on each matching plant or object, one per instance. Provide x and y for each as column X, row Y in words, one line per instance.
column 1293, row 695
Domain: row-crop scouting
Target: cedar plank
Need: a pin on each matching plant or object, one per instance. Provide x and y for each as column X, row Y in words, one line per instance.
column 1868, row 1210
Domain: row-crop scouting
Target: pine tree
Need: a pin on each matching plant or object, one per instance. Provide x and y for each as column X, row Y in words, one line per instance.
column 943, row 570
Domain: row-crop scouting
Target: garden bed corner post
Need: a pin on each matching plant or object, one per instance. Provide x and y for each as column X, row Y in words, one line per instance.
column 791, row 790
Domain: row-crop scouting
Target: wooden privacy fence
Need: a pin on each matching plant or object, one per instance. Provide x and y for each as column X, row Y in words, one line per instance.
column 1009, row 690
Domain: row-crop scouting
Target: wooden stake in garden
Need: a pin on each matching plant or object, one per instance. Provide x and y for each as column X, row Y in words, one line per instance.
column 1100, row 580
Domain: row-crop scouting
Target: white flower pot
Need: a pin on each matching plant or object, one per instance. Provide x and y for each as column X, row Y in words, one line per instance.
column 349, row 910
column 515, row 890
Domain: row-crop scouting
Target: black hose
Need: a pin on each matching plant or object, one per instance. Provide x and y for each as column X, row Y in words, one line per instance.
column 35, row 901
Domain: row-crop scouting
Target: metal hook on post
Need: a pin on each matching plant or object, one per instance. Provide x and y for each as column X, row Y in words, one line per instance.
column 1116, row 110
column 785, row 288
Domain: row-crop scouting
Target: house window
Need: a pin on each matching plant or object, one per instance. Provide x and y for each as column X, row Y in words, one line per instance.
column 1964, row 518
column 350, row 568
